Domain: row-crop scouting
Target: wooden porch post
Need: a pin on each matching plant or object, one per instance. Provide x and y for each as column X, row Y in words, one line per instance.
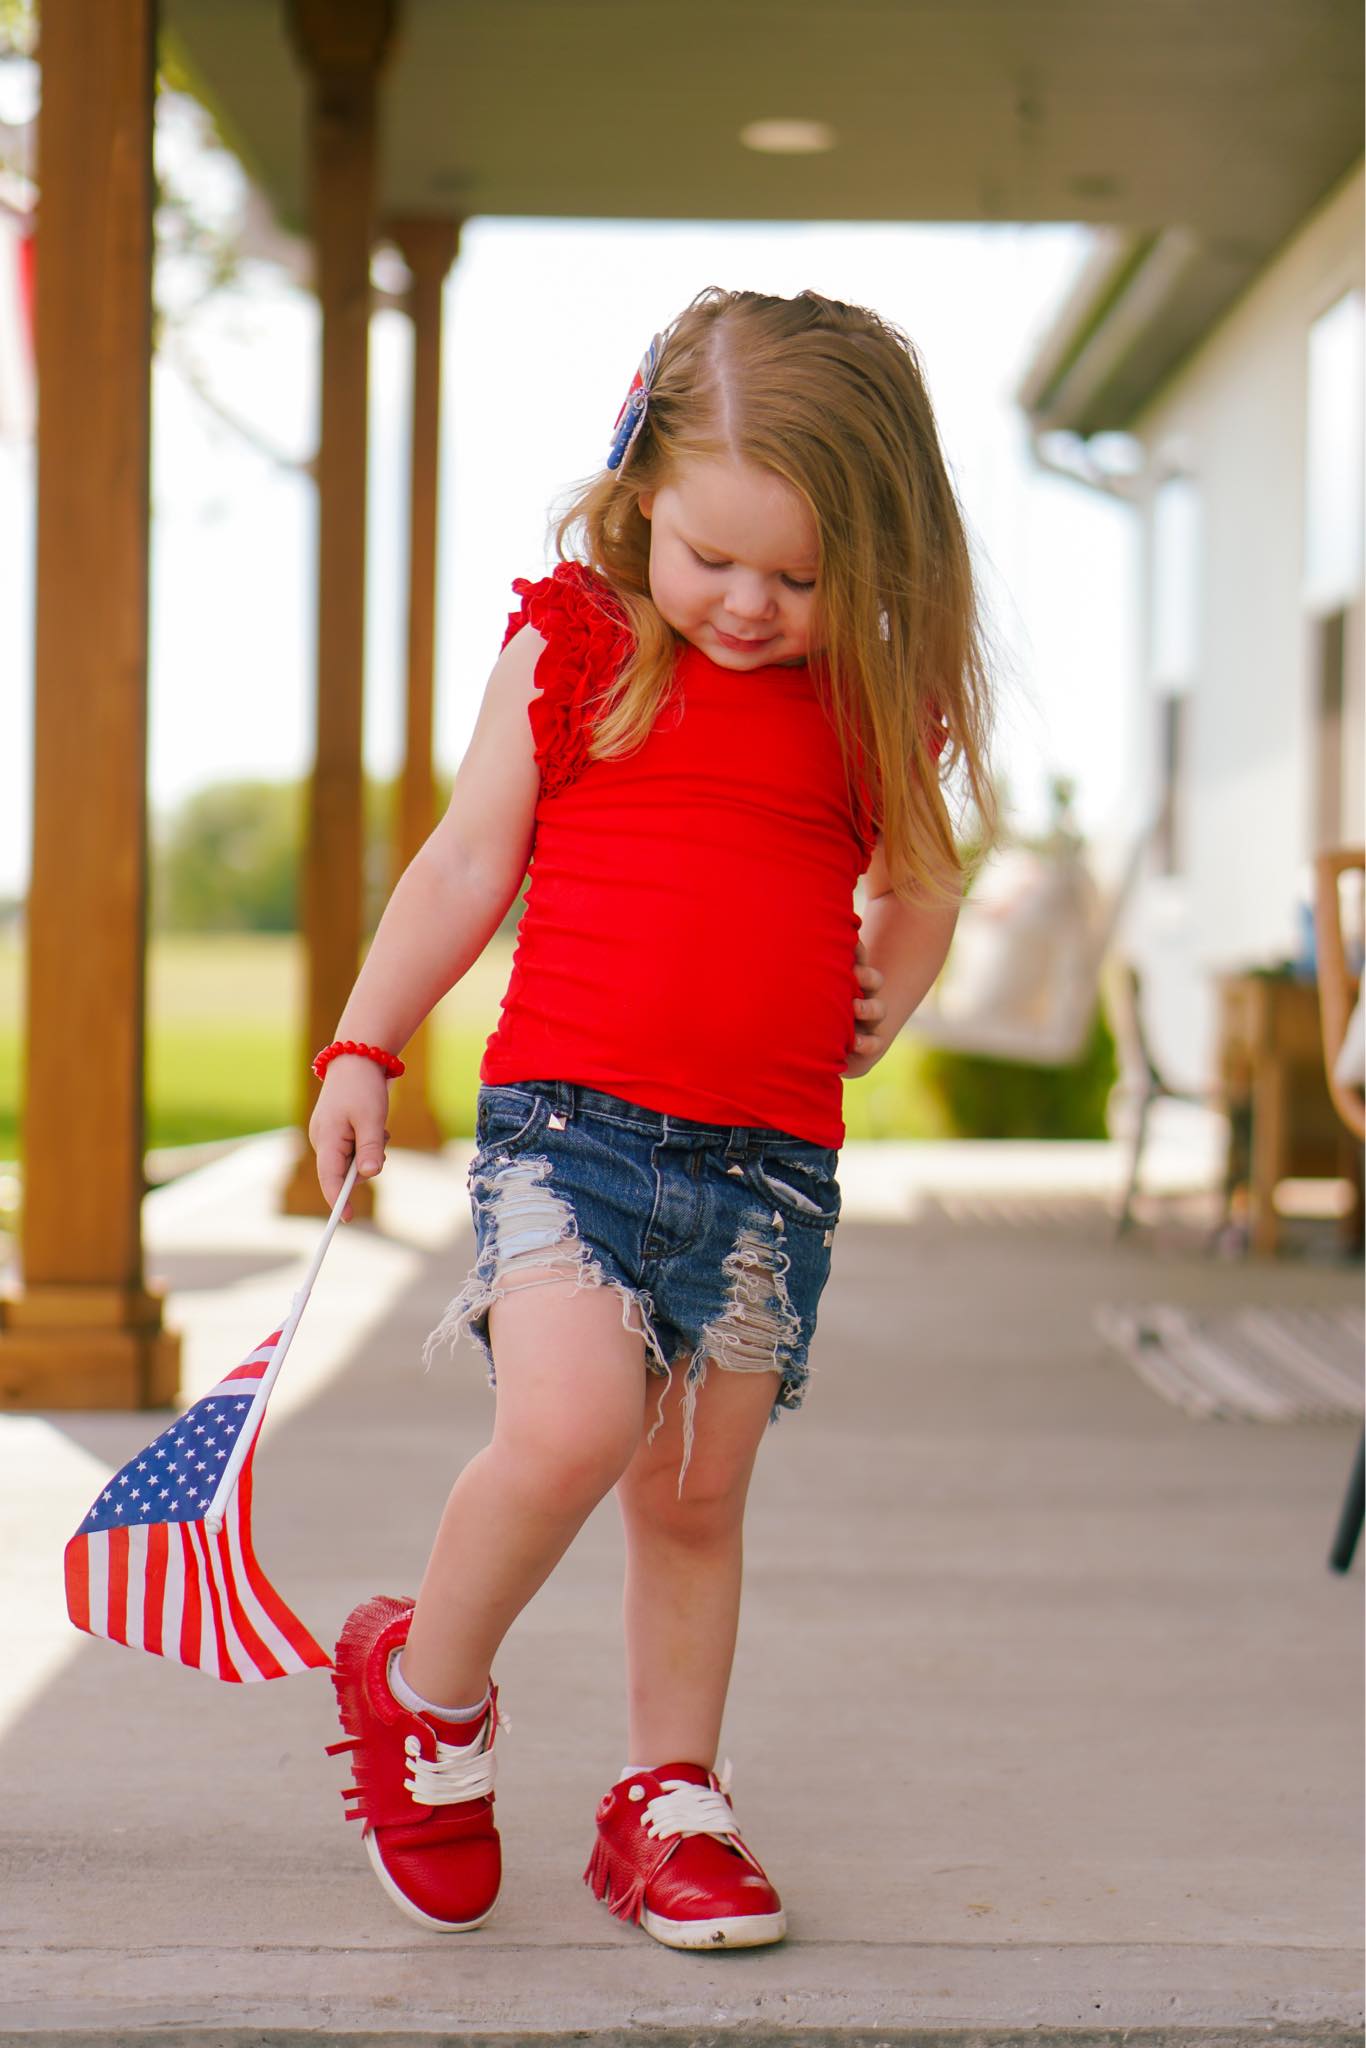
column 83, row 1330
column 342, row 44
column 428, row 246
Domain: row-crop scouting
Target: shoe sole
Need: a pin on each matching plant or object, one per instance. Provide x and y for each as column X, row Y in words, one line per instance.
column 742, row 1930
column 405, row 1904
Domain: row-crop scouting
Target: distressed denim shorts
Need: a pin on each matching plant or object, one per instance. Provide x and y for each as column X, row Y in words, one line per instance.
column 717, row 1237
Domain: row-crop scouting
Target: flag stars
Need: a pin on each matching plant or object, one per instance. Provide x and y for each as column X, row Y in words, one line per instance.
column 109, row 1495
column 164, row 1492
column 199, row 1428
column 142, row 1464
column 217, row 1454
column 123, row 1479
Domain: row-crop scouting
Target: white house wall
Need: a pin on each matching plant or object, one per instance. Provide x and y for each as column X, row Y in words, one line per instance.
column 1233, row 417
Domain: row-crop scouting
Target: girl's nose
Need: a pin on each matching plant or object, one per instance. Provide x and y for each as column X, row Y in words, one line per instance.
column 748, row 597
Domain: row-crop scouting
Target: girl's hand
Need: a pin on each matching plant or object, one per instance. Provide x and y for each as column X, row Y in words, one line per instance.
column 869, row 1014
column 347, row 1122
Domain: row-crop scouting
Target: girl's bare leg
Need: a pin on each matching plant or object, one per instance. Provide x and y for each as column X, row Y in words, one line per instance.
column 683, row 1565
column 571, row 1399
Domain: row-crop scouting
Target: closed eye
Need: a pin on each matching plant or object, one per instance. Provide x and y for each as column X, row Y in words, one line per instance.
column 792, row 582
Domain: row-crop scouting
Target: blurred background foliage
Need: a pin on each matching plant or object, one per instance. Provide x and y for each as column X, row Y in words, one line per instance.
column 982, row 1098
column 228, row 860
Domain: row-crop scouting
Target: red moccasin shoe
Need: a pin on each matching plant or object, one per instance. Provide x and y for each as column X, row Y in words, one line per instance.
column 424, row 1788
column 670, row 1857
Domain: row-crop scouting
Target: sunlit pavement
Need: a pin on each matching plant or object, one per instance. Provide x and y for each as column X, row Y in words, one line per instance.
column 1046, row 1713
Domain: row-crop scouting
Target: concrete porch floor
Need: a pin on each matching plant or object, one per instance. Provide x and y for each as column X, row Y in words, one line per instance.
column 1045, row 1719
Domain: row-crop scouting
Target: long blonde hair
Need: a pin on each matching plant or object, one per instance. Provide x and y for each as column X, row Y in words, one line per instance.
column 831, row 398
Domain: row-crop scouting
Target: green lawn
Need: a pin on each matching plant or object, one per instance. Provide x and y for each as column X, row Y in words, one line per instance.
column 224, row 1053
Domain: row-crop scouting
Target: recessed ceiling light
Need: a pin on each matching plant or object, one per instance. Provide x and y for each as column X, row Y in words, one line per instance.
column 388, row 271
column 788, row 138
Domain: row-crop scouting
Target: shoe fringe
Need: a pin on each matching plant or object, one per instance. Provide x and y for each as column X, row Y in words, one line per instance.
column 360, row 1632
column 598, row 1878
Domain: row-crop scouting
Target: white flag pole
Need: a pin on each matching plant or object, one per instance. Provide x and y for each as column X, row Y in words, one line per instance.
column 246, row 1436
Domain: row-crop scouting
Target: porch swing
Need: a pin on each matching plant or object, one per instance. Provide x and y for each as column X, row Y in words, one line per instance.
column 1023, row 979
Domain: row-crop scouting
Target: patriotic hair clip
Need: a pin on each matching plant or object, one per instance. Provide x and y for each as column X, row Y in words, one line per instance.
column 631, row 418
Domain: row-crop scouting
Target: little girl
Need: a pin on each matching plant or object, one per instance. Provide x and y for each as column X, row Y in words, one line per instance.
column 727, row 703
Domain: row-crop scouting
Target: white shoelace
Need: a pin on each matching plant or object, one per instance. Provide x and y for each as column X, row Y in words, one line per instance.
column 458, row 1771
column 687, row 1809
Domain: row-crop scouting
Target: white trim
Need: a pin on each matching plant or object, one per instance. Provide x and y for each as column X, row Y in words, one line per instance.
column 740, row 1930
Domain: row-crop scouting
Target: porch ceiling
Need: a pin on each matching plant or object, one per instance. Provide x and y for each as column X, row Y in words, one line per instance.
column 1226, row 119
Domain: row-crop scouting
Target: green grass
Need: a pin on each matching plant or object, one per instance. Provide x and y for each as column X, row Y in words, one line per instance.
column 224, row 1051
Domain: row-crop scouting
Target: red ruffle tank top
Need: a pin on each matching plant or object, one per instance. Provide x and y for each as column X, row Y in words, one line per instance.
column 688, row 934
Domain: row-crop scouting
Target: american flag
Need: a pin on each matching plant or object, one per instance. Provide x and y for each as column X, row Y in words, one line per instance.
column 149, row 1567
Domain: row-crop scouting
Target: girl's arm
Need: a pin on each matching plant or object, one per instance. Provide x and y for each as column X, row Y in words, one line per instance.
column 445, row 908
column 901, row 950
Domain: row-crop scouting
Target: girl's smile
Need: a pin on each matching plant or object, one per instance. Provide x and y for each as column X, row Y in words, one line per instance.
column 733, row 559
column 745, row 644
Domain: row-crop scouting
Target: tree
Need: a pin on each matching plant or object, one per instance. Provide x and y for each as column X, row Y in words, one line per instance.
column 227, row 860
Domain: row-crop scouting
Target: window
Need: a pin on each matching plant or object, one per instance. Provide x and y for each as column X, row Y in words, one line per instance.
column 1330, row 675
column 1333, row 544
column 1333, row 457
column 1175, row 583
column 1175, row 622
column 1171, row 752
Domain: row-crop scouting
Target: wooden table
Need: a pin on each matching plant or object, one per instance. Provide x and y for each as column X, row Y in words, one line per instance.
column 1271, row 1064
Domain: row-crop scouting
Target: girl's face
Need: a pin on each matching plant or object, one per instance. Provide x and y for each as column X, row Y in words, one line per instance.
column 733, row 553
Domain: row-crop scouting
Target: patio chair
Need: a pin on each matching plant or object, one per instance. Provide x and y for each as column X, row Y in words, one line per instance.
column 1339, row 991
column 1142, row 1081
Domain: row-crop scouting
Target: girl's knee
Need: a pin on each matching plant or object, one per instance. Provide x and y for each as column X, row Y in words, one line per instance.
column 708, row 1429
column 562, row 1468
column 709, row 1510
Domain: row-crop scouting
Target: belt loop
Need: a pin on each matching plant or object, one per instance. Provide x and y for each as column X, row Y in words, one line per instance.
column 737, row 1145
column 562, row 1093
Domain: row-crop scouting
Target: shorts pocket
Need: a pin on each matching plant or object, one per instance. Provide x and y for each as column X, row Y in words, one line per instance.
column 508, row 1118
column 802, row 1186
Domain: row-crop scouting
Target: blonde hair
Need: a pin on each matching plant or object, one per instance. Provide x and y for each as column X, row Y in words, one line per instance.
column 831, row 398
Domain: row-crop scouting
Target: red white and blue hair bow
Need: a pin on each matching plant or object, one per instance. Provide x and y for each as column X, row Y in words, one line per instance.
column 631, row 418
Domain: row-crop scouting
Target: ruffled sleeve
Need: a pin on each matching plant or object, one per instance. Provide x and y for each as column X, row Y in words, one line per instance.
column 586, row 641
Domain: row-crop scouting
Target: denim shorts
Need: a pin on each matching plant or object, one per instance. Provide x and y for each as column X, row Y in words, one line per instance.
column 717, row 1237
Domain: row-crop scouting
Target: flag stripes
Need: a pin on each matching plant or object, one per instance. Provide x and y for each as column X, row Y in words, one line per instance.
column 144, row 1569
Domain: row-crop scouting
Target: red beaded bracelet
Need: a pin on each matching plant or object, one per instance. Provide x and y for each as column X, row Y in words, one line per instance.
column 390, row 1061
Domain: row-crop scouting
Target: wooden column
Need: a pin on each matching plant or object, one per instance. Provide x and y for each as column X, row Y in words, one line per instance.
column 429, row 247
column 84, row 1330
column 342, row 44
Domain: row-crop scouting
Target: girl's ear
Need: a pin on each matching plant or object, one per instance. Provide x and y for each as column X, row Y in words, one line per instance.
column 646, row 502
